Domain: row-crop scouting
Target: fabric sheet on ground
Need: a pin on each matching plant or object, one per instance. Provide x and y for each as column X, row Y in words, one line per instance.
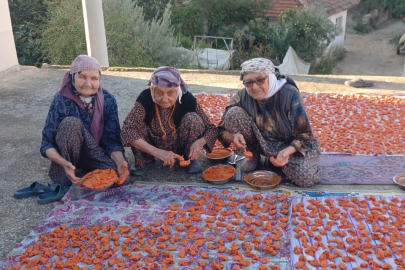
column 148, row 206
column 347, row 232
column 153, row 206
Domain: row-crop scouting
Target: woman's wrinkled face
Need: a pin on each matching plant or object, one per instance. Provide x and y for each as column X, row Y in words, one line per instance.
column 87, row 82
column 256, row 84
column 164, row 97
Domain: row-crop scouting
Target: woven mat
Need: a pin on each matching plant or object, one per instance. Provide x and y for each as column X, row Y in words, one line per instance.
column 341, row 169
column 148, row 203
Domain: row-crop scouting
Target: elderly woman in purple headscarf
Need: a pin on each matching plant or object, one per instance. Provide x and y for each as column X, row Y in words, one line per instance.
column 82, row 128
column 268, row 118
column 167, row 122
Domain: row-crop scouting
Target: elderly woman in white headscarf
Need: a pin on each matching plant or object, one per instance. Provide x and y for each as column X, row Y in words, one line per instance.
column 167, row 122
column 268, row 118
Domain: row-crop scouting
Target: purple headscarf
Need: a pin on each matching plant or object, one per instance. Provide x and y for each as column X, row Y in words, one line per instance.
column 85, row 63
column 168, row 77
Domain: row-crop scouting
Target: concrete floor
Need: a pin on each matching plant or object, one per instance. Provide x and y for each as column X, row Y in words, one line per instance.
column 25, row 96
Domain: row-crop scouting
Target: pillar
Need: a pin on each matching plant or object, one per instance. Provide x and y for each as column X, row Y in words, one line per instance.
column 95, row 31
column 8, row 52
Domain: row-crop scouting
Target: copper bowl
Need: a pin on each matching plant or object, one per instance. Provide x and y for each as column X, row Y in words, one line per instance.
column 218, row 155
column 262, row 179
column 219, row 181
column 399, row 179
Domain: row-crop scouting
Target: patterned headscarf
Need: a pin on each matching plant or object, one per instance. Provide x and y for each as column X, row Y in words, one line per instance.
column 168, row 77
column 84, row 63
column 67, row 89
column 265, row 66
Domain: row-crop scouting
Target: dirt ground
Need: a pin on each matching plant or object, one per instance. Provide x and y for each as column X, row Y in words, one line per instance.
column 371, row 54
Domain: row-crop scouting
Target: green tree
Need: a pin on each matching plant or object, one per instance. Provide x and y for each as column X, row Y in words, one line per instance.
column 28, row 18
column 152, row 8
column 215, row 14
column 308, row 31
column 64, row 37
column 131, row 40
column 395, row 7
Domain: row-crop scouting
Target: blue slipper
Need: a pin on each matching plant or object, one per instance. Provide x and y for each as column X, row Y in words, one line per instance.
column 194, row 167
column 138, row 172
column 54, row 195
column 34, row 189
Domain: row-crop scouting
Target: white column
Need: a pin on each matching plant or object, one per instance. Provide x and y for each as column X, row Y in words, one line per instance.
column 404, row 69
column 8, row 53
column 95, row 31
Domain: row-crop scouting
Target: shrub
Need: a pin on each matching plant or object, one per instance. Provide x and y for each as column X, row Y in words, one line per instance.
column 361, row 28
column 28, row 19
column 308, row 31
column 64, row 36
column 131, row 40
column 328, row 61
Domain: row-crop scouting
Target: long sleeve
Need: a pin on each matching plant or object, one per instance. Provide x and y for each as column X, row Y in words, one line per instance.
column 111, row 139
column 57, row 112
column 211, row 131
column 235, row 101
column 134, row 127
column 301, row 128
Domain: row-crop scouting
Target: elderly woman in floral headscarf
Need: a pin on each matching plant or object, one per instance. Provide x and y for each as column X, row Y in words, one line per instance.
column 82, row 128
column 268, row 118
column 167, row 122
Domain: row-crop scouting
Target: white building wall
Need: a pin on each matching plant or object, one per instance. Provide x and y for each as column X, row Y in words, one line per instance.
column 339, row 18
column 8, row 53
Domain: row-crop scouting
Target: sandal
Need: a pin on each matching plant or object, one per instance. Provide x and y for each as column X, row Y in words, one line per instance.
column 53, row 196
column 34, row 189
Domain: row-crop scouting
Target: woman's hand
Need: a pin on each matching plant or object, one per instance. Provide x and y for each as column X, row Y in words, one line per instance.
column 238, row 140
column 122, row 168
column 70, row 173
column 120, row 162
column 282, row 156
column 195, row 149
column 168, row 157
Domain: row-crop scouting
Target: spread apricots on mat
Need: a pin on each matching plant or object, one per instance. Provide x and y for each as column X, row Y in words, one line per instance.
column 350, row 123
column 348, row 233
column 184, row 228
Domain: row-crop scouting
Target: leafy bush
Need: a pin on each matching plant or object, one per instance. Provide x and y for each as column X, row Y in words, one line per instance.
column 308, row 31
column 395, row 7
column 131, row 40
column 361, row 28
column 328, row 61
column 28, row 19
column 64, row 36
column 207, row 17
column 256, row 39
column 152, row 9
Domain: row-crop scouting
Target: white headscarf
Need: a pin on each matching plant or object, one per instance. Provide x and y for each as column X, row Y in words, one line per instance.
column 265, row 66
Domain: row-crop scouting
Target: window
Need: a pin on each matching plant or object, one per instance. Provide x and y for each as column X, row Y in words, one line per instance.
column 338, row 24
